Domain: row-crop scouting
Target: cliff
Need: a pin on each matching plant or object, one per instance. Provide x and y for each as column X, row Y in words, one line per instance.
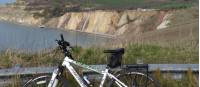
column 99, row 21
column 132, row 25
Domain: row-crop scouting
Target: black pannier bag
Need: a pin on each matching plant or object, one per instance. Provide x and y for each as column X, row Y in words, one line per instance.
column 115, row 58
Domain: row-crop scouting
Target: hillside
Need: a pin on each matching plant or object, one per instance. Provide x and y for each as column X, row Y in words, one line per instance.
column 151, row 31
column 169, row 24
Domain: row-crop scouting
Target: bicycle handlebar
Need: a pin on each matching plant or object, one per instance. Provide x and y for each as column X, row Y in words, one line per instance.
column 64, row 45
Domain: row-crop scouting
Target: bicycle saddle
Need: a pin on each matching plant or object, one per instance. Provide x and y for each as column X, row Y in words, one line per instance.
column 116, row 51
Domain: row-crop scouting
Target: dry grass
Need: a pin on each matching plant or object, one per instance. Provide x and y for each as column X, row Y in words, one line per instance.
column 11, row 58
column 133, row 52
column 16, row 81
column 182, row 30
column 189, row 80
column 145, row 52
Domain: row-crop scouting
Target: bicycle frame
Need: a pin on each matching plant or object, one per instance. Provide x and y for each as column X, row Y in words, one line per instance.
column 67, row 64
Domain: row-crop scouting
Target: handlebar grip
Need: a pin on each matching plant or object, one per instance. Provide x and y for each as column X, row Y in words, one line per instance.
column 61, row 36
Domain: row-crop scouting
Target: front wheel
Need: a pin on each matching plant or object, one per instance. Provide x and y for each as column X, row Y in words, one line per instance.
column 135, row 79
column 43, row 81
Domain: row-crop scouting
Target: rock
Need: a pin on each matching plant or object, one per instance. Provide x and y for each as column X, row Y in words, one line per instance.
column 121, row 30
column 165, row 22
column 123, row 20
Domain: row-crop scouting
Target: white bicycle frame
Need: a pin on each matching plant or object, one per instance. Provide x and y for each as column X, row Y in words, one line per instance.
column 66, row 63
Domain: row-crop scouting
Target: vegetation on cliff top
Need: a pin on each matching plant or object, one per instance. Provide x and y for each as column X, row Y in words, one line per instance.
column 53, row 8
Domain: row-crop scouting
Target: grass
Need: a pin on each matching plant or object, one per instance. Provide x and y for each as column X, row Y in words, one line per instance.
column 11, row 58
column 118, row 3
column 144, row 52
column 133, row 53
column 124, row 4
column 58, row 7
column 173, row 5
column 189, row 80
column 157, row 54
column 16, row 81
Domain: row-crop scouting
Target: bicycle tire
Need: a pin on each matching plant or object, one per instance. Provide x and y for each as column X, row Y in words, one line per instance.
column 43, row 81
column 135, row 79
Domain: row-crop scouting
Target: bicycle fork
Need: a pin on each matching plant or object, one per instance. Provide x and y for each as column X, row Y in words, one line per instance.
column 53, row 82
column 75, row 74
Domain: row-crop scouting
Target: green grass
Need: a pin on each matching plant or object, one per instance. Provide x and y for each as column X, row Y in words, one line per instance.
column 157, row 54
column 10, row 58
column 173, row 5
column 133, row 53
column 146, row 53
column 58, row 7
column 120, row 4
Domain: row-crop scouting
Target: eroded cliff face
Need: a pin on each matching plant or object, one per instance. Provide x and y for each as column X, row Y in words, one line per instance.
column 13, row 14
column 113, row 22
column 178, row 26
column 103, row 22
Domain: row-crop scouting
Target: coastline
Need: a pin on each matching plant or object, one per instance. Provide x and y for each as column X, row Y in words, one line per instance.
column 60, row 29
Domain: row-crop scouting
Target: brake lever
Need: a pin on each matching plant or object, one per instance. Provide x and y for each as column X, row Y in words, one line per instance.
column 65, row 46
column 56, row 40
column 70, row 48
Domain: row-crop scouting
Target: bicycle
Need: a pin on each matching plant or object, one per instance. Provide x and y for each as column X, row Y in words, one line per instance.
column 118, row 78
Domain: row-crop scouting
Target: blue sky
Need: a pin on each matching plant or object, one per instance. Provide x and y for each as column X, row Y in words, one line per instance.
column 6, row 1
